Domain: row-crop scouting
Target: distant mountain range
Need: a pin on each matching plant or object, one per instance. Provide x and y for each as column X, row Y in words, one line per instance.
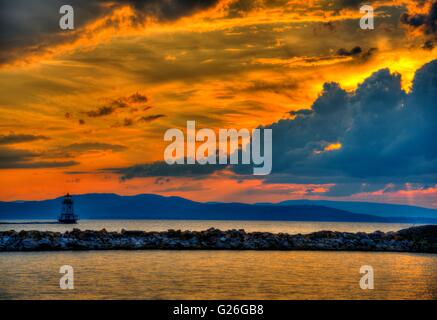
column 149, row 206
column 372, row 208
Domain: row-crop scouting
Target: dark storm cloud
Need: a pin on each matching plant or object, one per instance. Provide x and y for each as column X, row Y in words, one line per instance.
column 386, row 135
column 18, row 138
column 14, row 159
column 426, row 22
column 29, row 26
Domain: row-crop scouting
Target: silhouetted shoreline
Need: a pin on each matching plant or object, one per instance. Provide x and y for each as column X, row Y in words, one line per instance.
column 416, row 239
column 156, row 207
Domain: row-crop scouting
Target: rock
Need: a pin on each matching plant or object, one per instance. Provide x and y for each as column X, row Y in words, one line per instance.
column 367, row 242
column 428, row 232
column 416, row 239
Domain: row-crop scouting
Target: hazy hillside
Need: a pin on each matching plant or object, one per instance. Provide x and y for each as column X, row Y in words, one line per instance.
column 376, row 209
column 148, row 206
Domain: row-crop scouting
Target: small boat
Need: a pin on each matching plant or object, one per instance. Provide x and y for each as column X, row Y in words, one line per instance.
column 67, row 215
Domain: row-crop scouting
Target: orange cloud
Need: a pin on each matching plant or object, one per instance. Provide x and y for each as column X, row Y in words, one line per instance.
column 333, row 146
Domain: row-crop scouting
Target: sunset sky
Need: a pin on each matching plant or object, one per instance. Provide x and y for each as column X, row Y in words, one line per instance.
column 85, row 110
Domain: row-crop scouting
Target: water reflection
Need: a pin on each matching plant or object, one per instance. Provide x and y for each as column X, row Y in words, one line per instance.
column 217, row 275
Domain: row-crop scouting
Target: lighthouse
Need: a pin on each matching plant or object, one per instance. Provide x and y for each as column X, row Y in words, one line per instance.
column 67, row 214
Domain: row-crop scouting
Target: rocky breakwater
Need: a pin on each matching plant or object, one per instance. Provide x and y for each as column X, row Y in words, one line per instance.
column 415, row 239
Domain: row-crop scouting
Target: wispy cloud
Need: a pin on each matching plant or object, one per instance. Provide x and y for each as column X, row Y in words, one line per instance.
column 23, row 159
column 19, row 138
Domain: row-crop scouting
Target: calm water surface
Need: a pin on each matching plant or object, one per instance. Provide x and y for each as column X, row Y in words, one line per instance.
column 217, row 274
column 162, row 225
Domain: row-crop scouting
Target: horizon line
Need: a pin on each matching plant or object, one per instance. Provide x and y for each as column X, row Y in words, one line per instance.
column 228, row 202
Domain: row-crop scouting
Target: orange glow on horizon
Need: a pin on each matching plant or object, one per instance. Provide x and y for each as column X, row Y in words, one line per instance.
column 224, row 67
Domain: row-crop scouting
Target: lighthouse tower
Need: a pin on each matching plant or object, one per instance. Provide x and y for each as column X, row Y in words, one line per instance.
column 67, row 213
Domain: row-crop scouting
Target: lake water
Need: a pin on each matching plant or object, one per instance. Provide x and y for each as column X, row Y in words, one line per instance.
column 217, row 274
column 291, row 227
